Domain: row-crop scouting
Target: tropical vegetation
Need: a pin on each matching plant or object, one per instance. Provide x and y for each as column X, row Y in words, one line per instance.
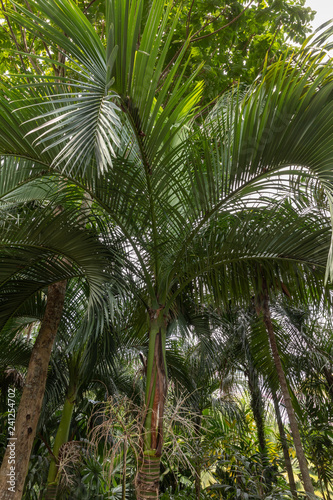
column 166, row 251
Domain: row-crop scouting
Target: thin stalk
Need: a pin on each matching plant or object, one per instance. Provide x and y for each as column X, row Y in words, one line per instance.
column 198, row 459
column 258, row 410
column 62, row 434
column 123, row 494
column 308, row 486
column 285, row 449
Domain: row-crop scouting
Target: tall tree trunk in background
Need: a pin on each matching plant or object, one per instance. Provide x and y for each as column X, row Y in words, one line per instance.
column 329, row 379
column 61, row 436
column 32, row 396
column 198, row 457
column 285, row 449
column 147, row 479
column 258, row 409
column 123, row 479
column 285, row 393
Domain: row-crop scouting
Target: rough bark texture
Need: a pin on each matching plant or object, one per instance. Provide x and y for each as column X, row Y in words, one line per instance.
column 148, row 478
column 32, row 397
column 51, row 492
column 285, row 449
column 287, row 399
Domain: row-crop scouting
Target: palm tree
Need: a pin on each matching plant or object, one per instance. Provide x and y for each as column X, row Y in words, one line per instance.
column 177, row 196
column 79, row 363
column 247, row 345
column 35, row 257
column 89, row 357
column 310, row 357
column 291, row 344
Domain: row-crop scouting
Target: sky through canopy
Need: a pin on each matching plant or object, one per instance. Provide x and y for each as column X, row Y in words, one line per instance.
column 324, row 10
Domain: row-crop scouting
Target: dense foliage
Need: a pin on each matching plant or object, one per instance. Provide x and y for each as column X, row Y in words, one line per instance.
column 176, row 256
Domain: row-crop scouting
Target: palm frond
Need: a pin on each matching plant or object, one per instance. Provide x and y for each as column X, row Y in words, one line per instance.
column 46, row 247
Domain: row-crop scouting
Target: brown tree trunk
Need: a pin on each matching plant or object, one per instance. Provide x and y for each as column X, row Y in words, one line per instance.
column 197, row 481
column 147, row 478
column 13, row 473
column 286, row 396
column 284, row 444
column 258, row 410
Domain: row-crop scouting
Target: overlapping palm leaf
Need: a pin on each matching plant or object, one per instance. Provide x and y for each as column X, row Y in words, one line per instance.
column 81, row 128
column 44, row 247
column 106, row 82
column 276, row 243
column 182, row 207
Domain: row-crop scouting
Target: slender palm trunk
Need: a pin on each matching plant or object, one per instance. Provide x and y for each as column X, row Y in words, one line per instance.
column 198, row 459
column 197, row 481
column 285, row 449
column 123, row 481
column 147, row 480
column 258, row 411
column 32, row 397
column 61, row 438
column 286, row 396
column 329, row 379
